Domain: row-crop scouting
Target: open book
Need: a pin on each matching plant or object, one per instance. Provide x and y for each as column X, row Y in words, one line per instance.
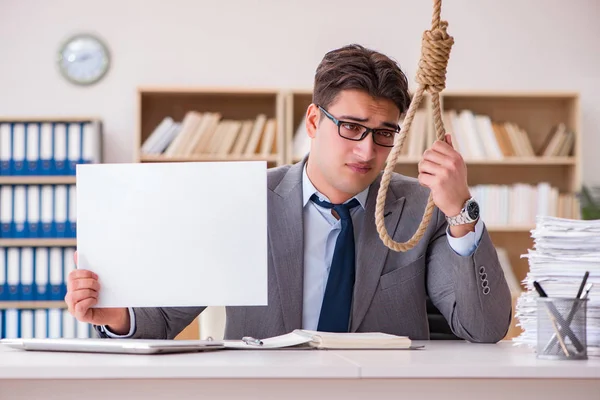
column 305, row 339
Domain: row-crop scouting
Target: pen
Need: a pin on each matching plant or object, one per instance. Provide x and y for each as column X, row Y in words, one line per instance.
column 252, row 341
column 559, row 318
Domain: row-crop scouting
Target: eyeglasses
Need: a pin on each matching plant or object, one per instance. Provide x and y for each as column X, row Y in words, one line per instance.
column 357, row 132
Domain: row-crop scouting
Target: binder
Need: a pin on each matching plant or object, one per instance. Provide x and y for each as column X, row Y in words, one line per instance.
column 41, row 324
column 11, row 323
column 5, row 148
column 72, row 217
column 47, row 211
column 91, row 149
column 42, row 272
column 3, row 275
column 69, row 265
column 33, row 211
column 13, row 277
column 2, row 334
column 27, row 273
column 19, row 227
column 68, row 325
column 33, row 149
column 18, row 151
column 46, row 163
column 26, row 320
column 54, row 323
column 74, row 145
column 56, row 274
column 60, row 149
column 60, row 210
column 6, row 211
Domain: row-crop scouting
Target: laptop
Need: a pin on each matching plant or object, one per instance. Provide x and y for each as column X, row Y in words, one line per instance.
column 117, row 346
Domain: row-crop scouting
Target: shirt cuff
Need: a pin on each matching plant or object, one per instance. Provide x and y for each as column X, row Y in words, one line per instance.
column 466, row 245
column 131, row 327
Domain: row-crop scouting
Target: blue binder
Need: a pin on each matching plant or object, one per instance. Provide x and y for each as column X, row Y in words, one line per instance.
column 4, row 283
column 5, row 141
column 13, row 261
column 42, row 260
column 18, row 140
column 34, row 165
column 56, row 287
column 27, row 262
column 33, row 208
column 46, row 164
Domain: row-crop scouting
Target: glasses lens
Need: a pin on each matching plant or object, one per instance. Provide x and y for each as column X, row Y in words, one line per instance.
column 384, row 137
column 351, row 131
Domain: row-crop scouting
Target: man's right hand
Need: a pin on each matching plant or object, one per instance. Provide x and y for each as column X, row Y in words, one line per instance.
column 82, row 294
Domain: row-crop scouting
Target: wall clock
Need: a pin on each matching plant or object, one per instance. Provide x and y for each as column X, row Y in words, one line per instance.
column 83, row 59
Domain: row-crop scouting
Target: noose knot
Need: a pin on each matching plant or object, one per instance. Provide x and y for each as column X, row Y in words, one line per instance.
column 435, row 53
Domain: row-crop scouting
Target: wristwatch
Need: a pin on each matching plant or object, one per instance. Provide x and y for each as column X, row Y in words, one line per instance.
column 468, row 214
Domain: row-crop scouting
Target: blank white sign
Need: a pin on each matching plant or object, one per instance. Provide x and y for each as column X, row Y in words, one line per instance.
column 174, row 234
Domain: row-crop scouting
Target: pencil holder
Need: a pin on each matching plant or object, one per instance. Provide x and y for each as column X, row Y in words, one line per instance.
column 561, row 328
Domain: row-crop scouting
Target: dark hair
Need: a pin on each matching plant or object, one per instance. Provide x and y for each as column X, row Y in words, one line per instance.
column 356, row 67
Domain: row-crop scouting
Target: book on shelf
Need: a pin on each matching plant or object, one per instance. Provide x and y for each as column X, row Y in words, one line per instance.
column 42, row 323
column 519, row 204
column 202, row 133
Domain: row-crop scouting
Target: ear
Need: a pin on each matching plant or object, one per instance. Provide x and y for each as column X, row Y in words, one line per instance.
column 312, row 120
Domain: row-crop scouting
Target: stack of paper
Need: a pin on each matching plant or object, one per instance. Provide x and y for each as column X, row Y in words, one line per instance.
column 564, row 250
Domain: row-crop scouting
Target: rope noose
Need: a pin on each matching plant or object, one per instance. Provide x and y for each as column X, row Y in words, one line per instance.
column 431, row 75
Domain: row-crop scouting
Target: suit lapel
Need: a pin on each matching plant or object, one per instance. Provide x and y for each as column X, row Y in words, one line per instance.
column 371, row 252
column 286, row 236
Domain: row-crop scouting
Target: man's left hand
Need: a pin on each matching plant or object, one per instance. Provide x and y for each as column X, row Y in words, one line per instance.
column 443, row 170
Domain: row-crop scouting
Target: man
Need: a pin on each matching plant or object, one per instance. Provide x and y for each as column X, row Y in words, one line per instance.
column 327, row 268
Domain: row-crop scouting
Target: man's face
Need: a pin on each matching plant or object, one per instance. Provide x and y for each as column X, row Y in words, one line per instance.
column 341, row 168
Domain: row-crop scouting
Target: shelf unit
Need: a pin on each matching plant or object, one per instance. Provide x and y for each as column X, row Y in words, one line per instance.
column 535, row 112
column 237, row 104
column 51, row 242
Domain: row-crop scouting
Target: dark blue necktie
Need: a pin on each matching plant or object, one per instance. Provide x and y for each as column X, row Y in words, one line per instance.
column 335, row 311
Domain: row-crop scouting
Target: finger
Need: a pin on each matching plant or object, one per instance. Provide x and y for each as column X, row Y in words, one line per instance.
column 83, row 294
column 437, row 157
column 426, row 180
column 83, row 306
column 75, row 257
column 442, row 147
column 82, row 273
column 449, row 139
column 84, row 283
column 428, row 167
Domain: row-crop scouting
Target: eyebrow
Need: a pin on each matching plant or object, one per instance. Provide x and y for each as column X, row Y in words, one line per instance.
column 390, row 125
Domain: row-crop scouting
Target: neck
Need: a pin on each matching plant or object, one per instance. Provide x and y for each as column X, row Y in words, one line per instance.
column 335, row 196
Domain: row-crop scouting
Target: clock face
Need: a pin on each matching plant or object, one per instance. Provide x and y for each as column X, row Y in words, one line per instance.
column 473, row 210
column 83, row 59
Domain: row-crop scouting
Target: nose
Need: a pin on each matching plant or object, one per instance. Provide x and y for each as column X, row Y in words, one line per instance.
column 365, row 148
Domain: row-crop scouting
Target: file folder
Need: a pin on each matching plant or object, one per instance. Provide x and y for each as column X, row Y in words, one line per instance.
column 6, row 211
column 47, row 211
column 41, row 324
column 27, row 273
column 18, row 136
column 60, row 149
column 13, row 276
column 5, row 148
column 19, row 227
column 42, row 272
column 74, row 145
column 3, row 275
column 33, row 149
column 33, row 211
column 56, row 274
column 46, row 149
column 60, row 210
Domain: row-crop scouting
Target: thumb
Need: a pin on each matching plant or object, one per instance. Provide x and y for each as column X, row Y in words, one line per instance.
column 449, row 139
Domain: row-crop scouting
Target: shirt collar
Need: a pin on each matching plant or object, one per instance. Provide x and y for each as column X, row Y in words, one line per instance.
column 308, row 189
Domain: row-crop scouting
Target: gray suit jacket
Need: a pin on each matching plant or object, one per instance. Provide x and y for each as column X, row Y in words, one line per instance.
column 391, row 287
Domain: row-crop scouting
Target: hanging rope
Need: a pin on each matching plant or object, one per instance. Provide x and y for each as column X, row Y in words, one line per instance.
column 431, row 75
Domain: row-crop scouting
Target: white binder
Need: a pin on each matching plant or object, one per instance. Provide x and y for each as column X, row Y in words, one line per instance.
column 41, row 324
column 33, row 148
column 42, row 282
column 6, row 210
column 33, row 211
column 18, row 149
column 20, row 211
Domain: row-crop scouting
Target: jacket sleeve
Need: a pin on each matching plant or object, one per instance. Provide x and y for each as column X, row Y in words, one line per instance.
column 470, row 291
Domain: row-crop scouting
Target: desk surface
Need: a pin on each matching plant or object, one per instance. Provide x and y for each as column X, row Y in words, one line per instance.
column 437, row 360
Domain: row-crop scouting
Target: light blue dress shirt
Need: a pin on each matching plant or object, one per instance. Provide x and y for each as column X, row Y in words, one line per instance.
column 321, row 230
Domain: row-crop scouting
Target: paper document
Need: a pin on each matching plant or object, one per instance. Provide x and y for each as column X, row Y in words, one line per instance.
column 174, row 234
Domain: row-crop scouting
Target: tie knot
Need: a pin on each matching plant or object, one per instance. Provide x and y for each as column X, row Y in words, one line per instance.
column 343, row 210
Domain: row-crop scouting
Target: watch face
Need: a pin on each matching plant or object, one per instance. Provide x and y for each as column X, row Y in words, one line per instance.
column 473, row 210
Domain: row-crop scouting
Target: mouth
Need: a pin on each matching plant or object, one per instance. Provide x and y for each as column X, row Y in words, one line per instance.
column 359, row 168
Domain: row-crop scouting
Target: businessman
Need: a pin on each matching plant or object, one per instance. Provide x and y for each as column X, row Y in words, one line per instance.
column 328, row 269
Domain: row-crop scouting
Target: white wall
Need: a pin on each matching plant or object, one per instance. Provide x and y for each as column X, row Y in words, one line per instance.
column 500, row 45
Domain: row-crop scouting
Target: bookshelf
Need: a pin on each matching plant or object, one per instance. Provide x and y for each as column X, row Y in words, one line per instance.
column 210, row 124
column 535, row 114
column 38, row 159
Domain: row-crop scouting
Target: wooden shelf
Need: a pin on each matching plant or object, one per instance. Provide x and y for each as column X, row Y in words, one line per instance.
column 67, row 242
column 523, row 161
column 207, row 157
column 49, row 119
column 32, row 304
column 37, row 180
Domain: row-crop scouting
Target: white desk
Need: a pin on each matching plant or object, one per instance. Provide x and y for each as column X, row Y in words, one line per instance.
column 444, row 370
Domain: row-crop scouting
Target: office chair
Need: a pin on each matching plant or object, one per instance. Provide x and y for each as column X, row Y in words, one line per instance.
column 439, row 329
